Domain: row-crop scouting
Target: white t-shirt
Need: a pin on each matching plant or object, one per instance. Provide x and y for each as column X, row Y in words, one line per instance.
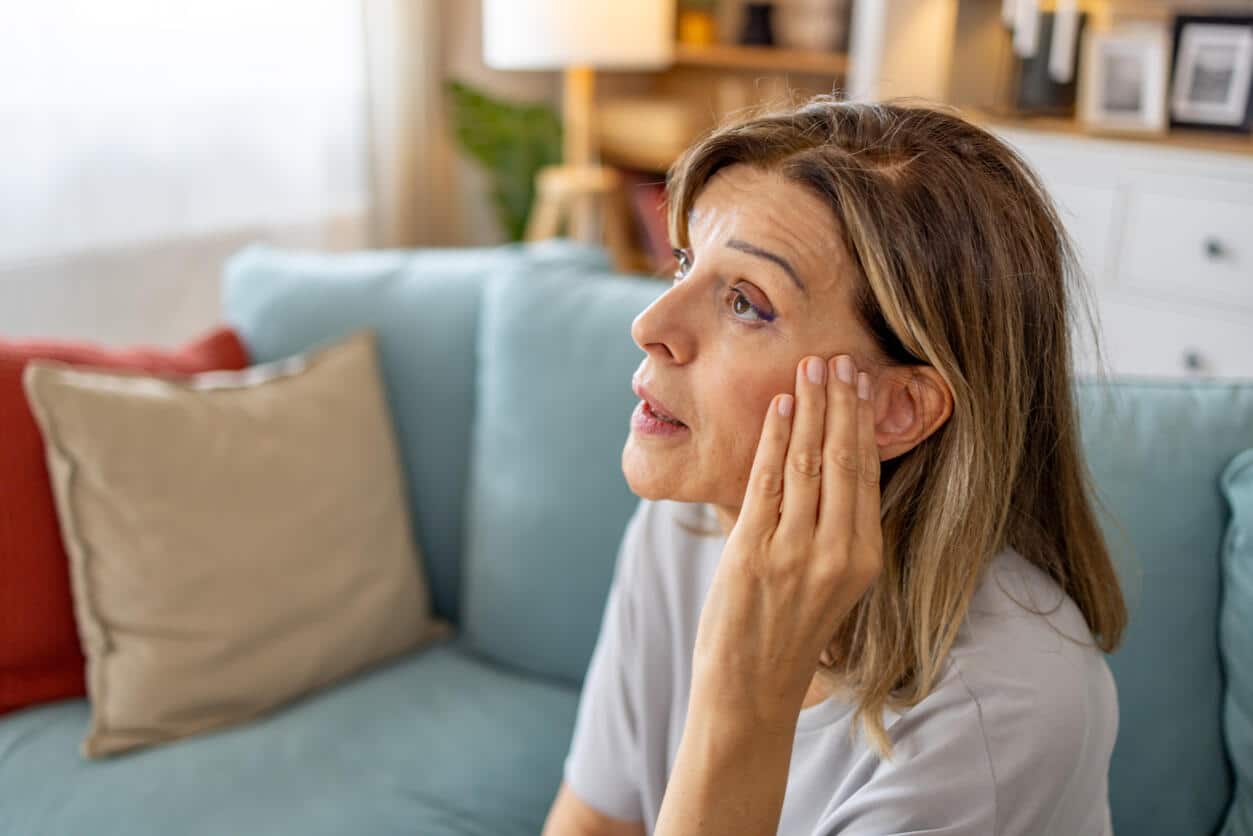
column 1015, row 740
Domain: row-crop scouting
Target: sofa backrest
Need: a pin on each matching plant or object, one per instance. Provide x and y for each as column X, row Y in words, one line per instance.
column 547, row 503
column 1157, row 451
column 509, row 376
column 424, row 305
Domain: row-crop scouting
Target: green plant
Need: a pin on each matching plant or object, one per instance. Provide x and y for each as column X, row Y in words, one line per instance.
column 513, row 141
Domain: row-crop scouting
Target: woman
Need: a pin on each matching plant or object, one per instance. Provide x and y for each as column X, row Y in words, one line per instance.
column 862, row 373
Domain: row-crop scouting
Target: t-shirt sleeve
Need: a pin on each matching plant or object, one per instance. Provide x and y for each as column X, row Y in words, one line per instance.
column 602, row 767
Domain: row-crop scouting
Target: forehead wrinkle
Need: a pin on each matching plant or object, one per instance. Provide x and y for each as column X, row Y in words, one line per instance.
column 817, row 256
column 817, row 260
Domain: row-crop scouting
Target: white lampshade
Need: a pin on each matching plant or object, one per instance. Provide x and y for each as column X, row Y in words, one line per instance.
column 555, row 34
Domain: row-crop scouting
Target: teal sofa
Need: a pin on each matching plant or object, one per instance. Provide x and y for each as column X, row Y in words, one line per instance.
column 508, row 373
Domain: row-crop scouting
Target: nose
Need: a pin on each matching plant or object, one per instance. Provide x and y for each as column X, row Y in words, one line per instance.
column 665, row 329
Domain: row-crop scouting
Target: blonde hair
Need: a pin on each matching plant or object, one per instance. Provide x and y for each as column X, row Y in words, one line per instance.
column 961, row 264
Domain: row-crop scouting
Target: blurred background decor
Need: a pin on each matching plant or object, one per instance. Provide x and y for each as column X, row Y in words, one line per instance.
column 1045, row 81
column 134, row 158
column 144, row 142
column 580, row 196
column 513, row 142
column 1213, row 72
column 697, row 24
column 137, row 159
column 1125, row 72
column 758, row 25
column 820, row 25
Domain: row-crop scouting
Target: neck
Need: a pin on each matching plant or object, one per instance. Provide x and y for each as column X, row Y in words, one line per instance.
column 726, row 518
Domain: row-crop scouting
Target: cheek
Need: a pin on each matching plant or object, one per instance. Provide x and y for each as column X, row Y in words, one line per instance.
column 752, row 400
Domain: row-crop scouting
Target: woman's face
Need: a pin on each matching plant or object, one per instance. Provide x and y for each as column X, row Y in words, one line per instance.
column 730, row 332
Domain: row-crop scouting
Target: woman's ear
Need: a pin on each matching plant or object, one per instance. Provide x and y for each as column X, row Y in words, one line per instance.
column 910, row 403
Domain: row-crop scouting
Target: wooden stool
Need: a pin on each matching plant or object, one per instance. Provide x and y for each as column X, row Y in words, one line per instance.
column 579, row 196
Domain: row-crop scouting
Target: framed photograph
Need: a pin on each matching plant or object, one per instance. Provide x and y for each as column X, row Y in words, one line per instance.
column 1212, row 84
column 1123, row 76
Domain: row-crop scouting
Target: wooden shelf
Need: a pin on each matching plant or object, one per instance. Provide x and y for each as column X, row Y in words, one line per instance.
column 653, row 159
column 1187, row 138
column 777, row 59
column 659, row 156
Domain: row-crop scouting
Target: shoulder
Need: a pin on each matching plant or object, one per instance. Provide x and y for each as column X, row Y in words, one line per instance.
column 1025, row 647
column 1016, row 736
column 1042, row 698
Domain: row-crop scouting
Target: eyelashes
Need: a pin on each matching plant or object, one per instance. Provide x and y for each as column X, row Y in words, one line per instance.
column 685, row 264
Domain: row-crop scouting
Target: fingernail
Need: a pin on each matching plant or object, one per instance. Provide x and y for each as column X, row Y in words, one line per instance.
column 844, row 368
column 863, row 386
column 814, row 369
column 785, row 405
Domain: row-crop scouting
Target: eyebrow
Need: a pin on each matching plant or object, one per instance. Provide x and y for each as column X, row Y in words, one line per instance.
column 745, row 247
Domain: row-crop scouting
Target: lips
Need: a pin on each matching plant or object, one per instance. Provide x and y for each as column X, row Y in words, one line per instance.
column 658, row 407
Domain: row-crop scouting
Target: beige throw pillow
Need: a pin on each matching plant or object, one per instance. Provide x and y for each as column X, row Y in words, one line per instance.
column 236, row 539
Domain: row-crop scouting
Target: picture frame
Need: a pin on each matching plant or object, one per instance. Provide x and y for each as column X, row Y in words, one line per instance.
column 1123, row 79
column 1212, row 72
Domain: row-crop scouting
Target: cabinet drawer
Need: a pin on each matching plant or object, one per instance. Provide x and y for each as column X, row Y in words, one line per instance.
column 1194, row 248
column 1087, row 212
column 1140, row 339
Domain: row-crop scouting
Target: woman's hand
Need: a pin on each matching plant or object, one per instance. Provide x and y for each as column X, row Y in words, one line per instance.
column 806, row 546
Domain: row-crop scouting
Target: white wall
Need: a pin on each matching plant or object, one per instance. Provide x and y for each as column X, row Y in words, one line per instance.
column 160, row 294
column 167, row 292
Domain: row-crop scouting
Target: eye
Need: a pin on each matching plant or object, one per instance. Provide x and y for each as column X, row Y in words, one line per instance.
column 684, row 260
column 741, row 305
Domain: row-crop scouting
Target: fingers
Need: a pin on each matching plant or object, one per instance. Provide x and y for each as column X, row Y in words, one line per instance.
column 840, row 455
column 815, row 476
column 802, row 473
column 760, row 513
column 868, row 525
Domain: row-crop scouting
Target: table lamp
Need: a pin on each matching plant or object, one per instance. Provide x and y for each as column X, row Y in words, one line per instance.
column 578, row 37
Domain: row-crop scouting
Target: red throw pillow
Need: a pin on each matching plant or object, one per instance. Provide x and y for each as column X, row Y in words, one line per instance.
column 41, row 658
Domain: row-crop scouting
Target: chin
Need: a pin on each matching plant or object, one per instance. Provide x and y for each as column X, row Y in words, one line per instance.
column 644, row 481
column 646, row 488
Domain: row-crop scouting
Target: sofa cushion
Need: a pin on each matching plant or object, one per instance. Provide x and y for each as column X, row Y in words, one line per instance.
column 436, row 742
column 548, row 503
column 1236, row 638
column 236, row 539
column 424, row 306
column 1157, row 450
column 40, row 654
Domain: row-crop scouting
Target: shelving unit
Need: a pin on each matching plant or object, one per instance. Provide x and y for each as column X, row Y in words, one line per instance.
column 952, row 51
column 1185, row 138
column 658, row 156
column 773, row 59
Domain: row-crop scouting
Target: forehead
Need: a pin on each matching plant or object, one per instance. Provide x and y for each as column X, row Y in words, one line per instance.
column 767, row 210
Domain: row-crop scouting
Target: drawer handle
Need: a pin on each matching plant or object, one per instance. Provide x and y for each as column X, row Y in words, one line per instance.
column 1214, row 248
column 1193, row 360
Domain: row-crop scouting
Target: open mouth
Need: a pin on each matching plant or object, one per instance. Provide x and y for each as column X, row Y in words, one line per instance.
column 661, row 416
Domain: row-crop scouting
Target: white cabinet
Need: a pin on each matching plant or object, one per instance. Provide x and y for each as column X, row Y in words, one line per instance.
column 1182, row 238
column 1155, row 338
column 1165, row 236
column 1088, row 213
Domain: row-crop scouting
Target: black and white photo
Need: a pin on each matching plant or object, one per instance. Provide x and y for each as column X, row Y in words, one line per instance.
column 1123, row 79
column 1212, row 80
